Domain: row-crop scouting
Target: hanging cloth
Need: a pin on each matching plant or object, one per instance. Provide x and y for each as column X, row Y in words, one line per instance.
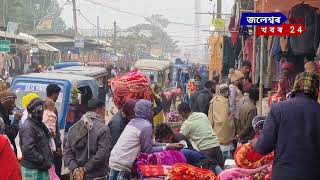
column 216, row 46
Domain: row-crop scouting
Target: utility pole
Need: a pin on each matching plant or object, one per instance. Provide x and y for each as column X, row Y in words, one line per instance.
column 219, row 8
column 115, row 37
column 3, row 12
column 75, row 23
column 98, row 28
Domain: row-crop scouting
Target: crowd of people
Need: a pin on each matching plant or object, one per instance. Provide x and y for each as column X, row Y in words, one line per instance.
column 218, row 121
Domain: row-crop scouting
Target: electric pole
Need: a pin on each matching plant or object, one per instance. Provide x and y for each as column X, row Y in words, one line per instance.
column 98, row 28
column 219, row 7
column 4, row 13
column 75, row 23
column 115, row 37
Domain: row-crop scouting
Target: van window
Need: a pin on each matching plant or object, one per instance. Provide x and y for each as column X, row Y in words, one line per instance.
column 24, row 88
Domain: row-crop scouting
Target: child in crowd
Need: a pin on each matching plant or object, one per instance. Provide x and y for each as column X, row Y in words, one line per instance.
column 50, row 120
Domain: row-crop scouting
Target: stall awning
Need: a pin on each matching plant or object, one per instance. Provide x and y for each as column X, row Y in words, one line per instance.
column 11, row 36
column 47, row 47
column 283, row 6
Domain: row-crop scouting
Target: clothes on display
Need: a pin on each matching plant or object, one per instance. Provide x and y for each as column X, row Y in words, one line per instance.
column 265, row 59
column 216, row 43
column 307, row 42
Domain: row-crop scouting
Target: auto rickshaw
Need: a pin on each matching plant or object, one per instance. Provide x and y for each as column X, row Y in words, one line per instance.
column 38, row 82
column 160, row 69
column 98, row 73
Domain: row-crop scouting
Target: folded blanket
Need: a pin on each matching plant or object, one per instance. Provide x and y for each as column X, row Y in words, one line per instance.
column 168, row 158
column 183, row 171
column 246, row 174
column 153, row 170
column 246, row 157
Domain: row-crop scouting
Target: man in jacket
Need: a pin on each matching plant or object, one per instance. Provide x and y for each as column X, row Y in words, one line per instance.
column 53, row 92
column 247, row 112
column 34, row 144
column 292, row 131
column 136, row 138
column 120, row 120
column 7, row 104
column 89, row 134
column 204, row 97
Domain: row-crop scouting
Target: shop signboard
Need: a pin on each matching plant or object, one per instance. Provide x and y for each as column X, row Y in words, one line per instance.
column 79, row 42
column 5, row 46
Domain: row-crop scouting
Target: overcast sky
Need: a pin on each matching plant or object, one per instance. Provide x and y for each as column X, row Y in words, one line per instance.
column 181, row 11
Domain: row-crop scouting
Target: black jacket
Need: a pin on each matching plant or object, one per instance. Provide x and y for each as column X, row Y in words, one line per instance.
column 34, row 144
column 11, row 129
column 116, row 126
column 292, row 131
column 202, row 102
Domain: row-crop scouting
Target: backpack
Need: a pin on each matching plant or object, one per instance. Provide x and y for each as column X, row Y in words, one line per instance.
column 308, row 42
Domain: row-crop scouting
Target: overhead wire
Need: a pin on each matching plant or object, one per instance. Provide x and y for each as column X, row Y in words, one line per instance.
column 84, row 17
column 142, row 16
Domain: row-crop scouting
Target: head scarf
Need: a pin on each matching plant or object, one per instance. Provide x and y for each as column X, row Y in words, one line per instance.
column 7, row 98
column 28, row 98
column 128, row 107
column 235, row 75
column 258, row 122
column 310, row 67
column 287, row 66
column 308, row 83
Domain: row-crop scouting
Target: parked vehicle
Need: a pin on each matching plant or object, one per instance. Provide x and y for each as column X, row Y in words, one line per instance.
column 38, row 82
column 160, row 69
column 98, row 73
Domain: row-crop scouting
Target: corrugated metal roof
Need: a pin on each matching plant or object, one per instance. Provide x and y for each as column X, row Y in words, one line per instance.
column 55, row 39
column 47, row 47
column 152, row 64
column 11, row 36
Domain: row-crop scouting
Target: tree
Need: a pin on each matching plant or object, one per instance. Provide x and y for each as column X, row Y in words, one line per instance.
column 158, row 20
column 28, row 13
column 159, row 37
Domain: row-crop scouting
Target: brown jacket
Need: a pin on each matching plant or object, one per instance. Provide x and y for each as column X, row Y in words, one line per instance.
column 244, row 125
column 221, row 119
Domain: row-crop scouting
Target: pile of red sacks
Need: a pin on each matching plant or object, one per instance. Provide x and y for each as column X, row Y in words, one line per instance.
column 132, row 85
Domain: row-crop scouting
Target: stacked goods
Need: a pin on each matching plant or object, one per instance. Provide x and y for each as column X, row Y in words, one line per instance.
column 132, row 85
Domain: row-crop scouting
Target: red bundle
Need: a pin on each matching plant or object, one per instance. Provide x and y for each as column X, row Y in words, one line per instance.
column 132, row 85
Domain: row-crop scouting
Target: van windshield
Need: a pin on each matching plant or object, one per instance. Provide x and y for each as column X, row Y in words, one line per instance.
column 23, row 88
column 149, row 72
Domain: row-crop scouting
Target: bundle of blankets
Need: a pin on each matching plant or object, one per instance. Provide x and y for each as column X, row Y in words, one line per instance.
column 132, row 85
column 169, row 165
column 250, row 165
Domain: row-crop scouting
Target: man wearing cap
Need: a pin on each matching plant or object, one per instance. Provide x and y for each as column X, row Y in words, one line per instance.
column 88, row 144
column 7, row 105
column 292, row 130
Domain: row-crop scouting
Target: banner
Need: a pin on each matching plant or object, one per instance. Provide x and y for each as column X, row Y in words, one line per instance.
column 45, row 23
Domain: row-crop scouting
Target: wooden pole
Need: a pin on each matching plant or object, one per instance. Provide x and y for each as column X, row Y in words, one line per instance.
column 261, row 69
column 254, row 54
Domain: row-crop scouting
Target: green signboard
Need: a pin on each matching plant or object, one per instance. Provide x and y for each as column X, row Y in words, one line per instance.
column 4, row 46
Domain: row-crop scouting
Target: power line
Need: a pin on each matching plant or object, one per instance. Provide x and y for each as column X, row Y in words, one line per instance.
column 140, row 15
column 91, row 23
